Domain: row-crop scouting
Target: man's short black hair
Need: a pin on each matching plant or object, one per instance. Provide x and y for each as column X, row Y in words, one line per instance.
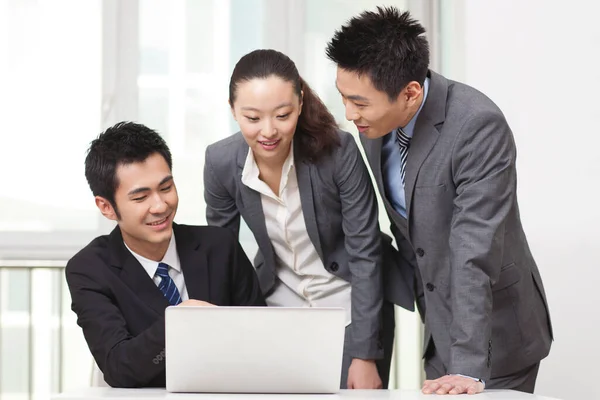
column 386, row 45
column 121, row 144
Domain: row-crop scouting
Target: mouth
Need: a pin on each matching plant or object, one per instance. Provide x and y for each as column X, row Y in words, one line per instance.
column 160, row 224
column 270, row 144
column 362, row 128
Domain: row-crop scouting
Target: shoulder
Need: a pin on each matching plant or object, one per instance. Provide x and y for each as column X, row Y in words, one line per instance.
column 226, row 151
column 91, row 257
column 470, row 104
column 207, row 235
column 346, row 139
column 344, row 161
column 347, row 147
column 222, row 159
column 227, row 145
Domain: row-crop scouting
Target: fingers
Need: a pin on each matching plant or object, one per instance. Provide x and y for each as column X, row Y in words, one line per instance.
column 431, row 387
column 350, row 384
column 476, row 388
column 457, row 390
column 452, row 385
column 444, row 388
column 197, row 303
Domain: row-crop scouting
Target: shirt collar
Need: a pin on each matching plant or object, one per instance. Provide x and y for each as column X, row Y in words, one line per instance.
column 250, row 173
column 171, row 258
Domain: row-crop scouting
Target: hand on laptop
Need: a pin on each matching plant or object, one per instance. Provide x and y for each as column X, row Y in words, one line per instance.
column 363, row 374
column 197, row 303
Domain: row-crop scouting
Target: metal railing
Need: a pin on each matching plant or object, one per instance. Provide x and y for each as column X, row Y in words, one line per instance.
column 35, row 324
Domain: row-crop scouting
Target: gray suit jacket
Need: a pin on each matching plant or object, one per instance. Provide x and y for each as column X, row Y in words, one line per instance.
column 478, row 285
column 340, row 212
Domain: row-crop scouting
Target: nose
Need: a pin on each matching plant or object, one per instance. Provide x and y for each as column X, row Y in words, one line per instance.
column 159, row 205
column 351, row 111
column 268, row 129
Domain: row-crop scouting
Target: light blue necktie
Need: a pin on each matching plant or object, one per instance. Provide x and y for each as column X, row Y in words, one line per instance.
column 167, row 286
column 404, row 143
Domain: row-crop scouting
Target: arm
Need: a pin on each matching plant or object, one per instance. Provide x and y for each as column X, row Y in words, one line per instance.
column 221, row 209
column 125, row 360
column 363, row 244
column 484, row 174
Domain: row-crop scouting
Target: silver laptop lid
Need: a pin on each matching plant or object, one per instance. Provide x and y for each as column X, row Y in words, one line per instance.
column 254, row 349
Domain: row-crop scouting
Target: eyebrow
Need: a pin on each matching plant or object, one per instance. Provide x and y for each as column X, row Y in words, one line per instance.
column 354, row 97
column 276, row 108
column 146, row 189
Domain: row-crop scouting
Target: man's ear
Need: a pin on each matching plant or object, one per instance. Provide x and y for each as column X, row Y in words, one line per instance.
column 412, row 91
column 106, row 208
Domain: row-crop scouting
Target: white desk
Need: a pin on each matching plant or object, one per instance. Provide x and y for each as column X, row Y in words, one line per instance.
column 153, row 394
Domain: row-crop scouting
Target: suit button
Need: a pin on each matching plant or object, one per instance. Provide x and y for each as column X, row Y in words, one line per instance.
column 430, row 287
column 420, row 252
column 334, row 266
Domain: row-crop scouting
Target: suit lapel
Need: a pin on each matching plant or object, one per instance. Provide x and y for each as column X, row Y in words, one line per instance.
column 423, row 140
column 134, row 275
column 308, row 203
column 426, row 133
column 373, row 150
column 253, row 211
column 194, row 262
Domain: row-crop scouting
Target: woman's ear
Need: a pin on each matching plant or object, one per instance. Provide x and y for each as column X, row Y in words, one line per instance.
column 301, row 101
column 231, row 109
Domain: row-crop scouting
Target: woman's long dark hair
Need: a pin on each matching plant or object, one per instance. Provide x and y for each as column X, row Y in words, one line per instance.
column 316, row 133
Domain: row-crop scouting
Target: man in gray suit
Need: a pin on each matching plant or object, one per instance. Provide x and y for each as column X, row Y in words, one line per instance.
column 443, row 157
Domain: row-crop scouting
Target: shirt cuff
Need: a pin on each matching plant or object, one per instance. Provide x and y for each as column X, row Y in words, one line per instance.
column 470, row 377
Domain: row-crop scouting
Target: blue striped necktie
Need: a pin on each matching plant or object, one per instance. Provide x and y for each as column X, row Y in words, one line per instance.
column 166, row 285
column 404, row 143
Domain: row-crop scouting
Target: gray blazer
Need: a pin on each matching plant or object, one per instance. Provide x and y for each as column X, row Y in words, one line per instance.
column 340, row 212
column 463, row 236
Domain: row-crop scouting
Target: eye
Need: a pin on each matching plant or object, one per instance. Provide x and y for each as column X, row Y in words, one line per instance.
column 139, row 199
column 252, row 119
column 166, row 188
column 360, row 105
column 283, row 116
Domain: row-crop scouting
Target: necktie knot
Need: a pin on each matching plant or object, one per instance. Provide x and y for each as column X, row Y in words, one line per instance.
column 167, row 286
column 162, row 270
column 402, row 139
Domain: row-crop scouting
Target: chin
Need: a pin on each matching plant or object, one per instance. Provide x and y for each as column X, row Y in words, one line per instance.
column 163, row 235
column 377, row 135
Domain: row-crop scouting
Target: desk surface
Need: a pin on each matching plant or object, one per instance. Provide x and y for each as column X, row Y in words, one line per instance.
column 153, row 394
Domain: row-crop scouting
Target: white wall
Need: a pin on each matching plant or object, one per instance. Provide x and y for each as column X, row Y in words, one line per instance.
column 540, row 62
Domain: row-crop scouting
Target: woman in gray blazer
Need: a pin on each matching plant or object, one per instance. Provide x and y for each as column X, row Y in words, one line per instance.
column 304, row 191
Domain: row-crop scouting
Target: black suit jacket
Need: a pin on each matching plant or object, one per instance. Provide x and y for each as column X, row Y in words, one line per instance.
column 121, row 310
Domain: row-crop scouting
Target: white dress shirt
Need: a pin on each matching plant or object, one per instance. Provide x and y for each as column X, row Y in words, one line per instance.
column 302, row 280
column 171, row 258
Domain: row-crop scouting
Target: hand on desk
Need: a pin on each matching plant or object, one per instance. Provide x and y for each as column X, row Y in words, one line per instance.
column 452, row 384
column 363, row 374
column 197, row 303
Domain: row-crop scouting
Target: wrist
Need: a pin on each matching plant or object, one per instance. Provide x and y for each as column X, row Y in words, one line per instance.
column 470, row 377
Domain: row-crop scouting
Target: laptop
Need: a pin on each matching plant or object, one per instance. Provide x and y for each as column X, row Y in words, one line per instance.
column 254, row 349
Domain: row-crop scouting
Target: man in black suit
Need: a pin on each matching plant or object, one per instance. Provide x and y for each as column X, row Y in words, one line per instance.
column 121, row 283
